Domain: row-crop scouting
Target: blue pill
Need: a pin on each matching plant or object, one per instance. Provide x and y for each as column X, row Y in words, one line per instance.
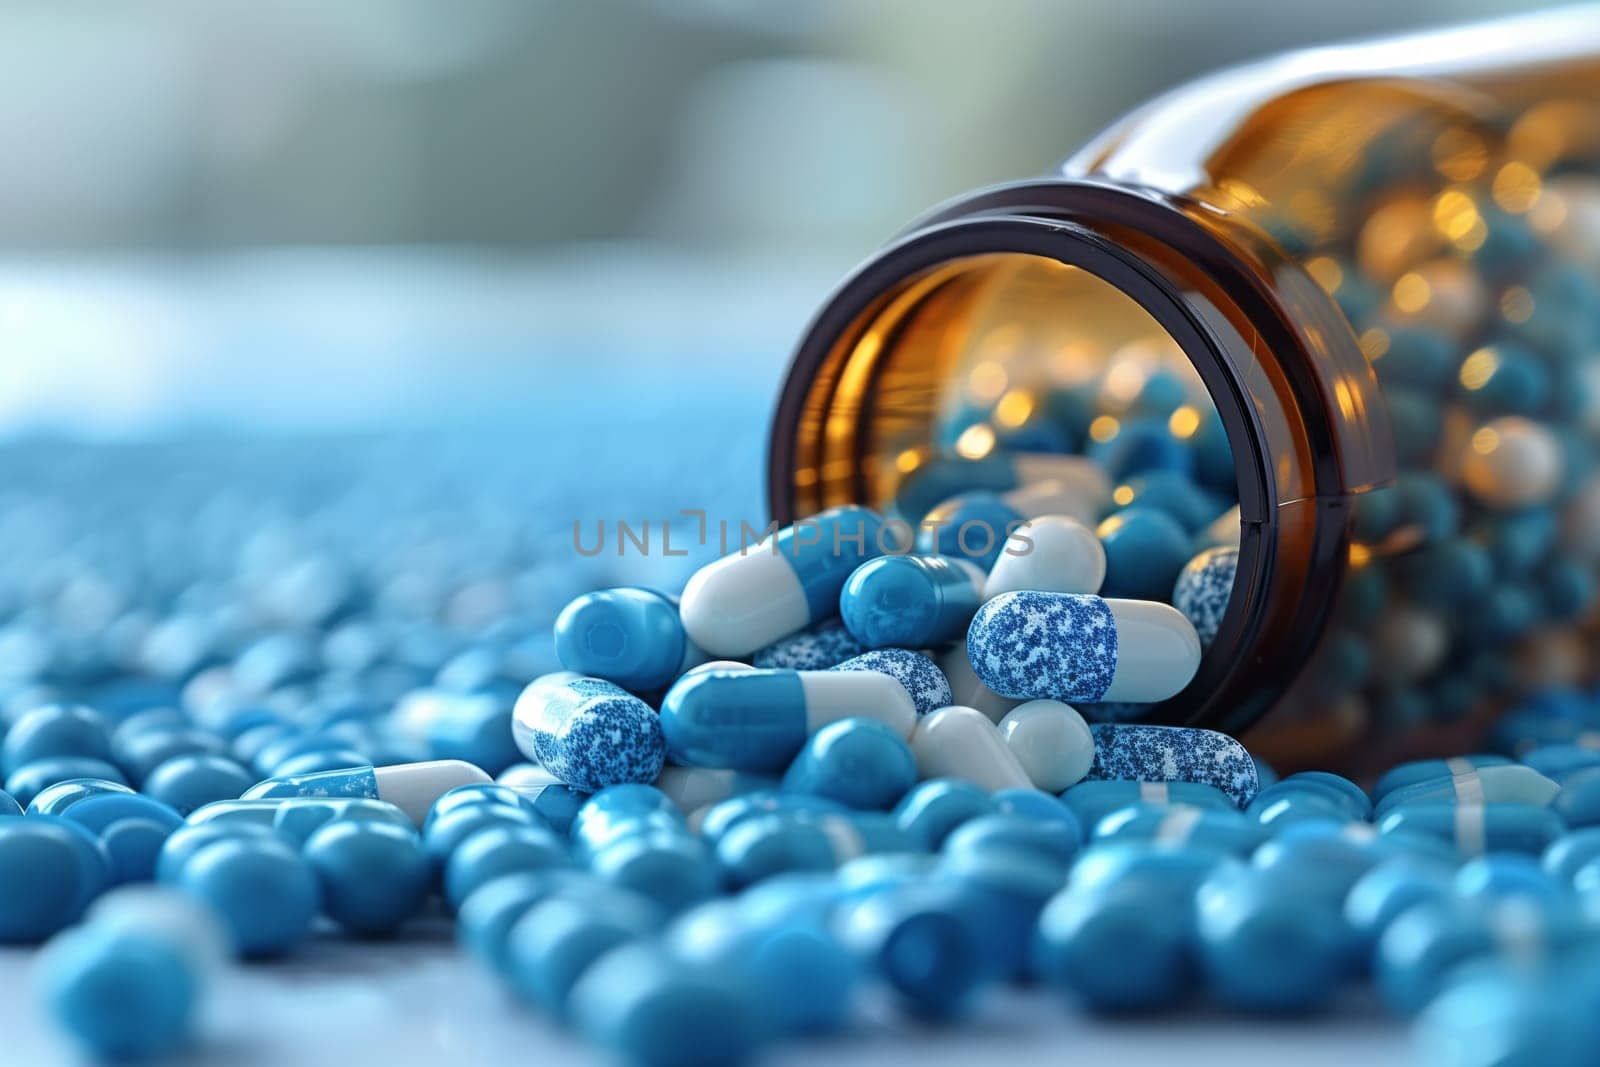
column 920, row 940
column 1182, row 826
column 485, row 919
column 1204, row 588
column 50, row 869
column 558, row 938
column 97, row 812
column 1503, row 876
column 1543, row 1018
column 1174, row 495
column 587, row 732
column 910, row 601
column 1146, row 550
column 465, row 796
column 671, row 867
column 804, row 979
column 122, row 995
column 725, row 816
column 1038, row 805
column 31, row 779
column 146, row 750
column 1093, row 801
column 1388, row 890
column 192, row 781
column 472, row 727
column 445, row 834
column 263, row 890
column 55, row 731
column 56, row 799
column 500, row 850
column 858, row 762
column 186, row 842
column 9, row 805
column 653, row 1009
column 1578, row 802
column 762, row 846
column 921, row 677
column 1263, row 947
column 620, row 810
column 1475, row 829
column 1173, row 753
column 971, row 527
column 631, row 637
column 1507, row 784
column 1571, row 852
column 758, row 720
column 1075, row 647
column 1406, row 774
column 1120, row 946
column 818, row 647
column 1047, row 841
column 1139, row 446
column 373, row 875
column 134, row 848
column 322, row 761
column 1007, row 888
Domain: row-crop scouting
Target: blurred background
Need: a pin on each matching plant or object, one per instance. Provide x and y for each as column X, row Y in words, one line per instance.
column 332, row 215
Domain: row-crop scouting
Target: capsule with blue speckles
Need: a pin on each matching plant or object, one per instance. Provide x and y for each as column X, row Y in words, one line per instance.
column 910, row 601
column 752, row 597
column 1509, row 784
column 922, row 678
column 758, row 720
column 587, row 732
column 1478, row 828
column 1173, row 753
column 411, row 787
column 631, row 637
column 1073, row 647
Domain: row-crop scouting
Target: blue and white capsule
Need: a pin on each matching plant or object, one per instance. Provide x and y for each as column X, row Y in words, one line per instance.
column 759, row 720
column 629, row 636
column 1423, row 770
column 1029, row 645
column 587, row 732
column 1508, row 784
column 1478, row 828
column 769, row 590
column 411, row 787
column 910, row 601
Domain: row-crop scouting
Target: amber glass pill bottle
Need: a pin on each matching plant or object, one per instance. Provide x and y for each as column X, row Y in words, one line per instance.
column 1355, row 290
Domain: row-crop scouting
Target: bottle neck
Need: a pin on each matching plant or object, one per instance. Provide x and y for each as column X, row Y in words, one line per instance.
column 1295, row 395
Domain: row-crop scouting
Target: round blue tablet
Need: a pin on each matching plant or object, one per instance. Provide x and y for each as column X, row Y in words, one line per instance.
column 262, row 888
column 50, row 869
column 374, row 875
column 29, row 780
column 499, row 850
column 53, row 731
column 860, row 763
column 134, row 846
column 196, row 779
column 122, row 995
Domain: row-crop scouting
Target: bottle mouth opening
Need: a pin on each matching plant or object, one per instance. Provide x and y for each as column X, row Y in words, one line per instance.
column 996, row 343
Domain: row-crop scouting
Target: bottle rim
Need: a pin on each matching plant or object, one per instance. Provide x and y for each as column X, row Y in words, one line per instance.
column 1292, row 553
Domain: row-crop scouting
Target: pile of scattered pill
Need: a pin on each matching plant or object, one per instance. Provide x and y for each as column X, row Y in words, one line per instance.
column 823, row 770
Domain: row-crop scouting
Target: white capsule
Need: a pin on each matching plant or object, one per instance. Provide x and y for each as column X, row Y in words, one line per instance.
column 959, row 742
column 1512, row 462
column 1052, row 553
column 966, row 689
column 1051, row 742
column 752, row 597
column 718, row 665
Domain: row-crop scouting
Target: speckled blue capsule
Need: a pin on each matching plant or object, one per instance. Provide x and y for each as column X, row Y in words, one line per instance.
column 1173, row 754
column 921, row 677
column 1204, row 588
column 587, row 732
column 816, row 648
